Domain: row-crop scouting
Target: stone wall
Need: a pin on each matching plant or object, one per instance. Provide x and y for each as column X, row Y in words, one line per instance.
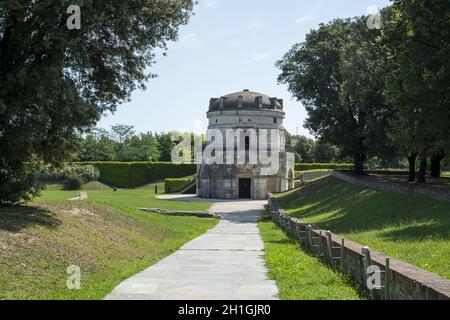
column 399, row 281
column 308, row 176
column 397, row 187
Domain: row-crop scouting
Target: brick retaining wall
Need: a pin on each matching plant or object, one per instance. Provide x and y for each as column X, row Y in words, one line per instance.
column 405, row 281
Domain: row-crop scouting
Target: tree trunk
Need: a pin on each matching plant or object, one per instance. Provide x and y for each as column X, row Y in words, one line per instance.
column 359, row 164
column 436, row 164
column 412, row 166
column 422, row 170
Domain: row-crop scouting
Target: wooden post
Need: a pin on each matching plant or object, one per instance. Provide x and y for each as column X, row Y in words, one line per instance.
column 367, row 261
column 309, row 236
column 320, row 242
column 298, row 232
column 342, row 253
column 330, row 247
column 387, row 279
column 291, row 228
column 156, row 189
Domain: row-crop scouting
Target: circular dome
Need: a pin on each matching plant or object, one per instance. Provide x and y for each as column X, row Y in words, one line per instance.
column 245, row 100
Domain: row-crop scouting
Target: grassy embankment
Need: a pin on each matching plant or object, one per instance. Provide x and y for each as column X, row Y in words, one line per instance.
column 299, row 275
column 413, row 229
column 106, row 236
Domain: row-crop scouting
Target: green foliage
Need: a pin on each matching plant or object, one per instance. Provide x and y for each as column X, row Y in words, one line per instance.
column 136, row 174
column 309, row 150
column 415, row 35
column 56, row 82
column 173, row 185
column 18, row 183
column 72, row 177
column 338, row 74
column 312, row 166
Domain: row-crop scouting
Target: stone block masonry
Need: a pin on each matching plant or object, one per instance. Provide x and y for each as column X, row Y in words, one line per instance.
column 405, row 281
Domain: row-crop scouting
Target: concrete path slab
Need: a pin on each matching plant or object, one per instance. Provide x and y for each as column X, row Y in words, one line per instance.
column 226, row 263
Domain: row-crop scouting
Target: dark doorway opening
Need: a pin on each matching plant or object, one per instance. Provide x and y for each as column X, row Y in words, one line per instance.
column 245, row 188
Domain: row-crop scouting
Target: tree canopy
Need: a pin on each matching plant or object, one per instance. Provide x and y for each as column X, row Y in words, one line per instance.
column 338, row 74
column 58, row 82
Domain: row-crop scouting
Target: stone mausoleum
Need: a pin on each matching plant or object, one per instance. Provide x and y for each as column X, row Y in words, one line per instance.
column 243, row 111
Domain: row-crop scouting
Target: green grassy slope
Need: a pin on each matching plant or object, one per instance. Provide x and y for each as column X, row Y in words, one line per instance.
column 106, row 236
column 414, row 229
column 300, row 276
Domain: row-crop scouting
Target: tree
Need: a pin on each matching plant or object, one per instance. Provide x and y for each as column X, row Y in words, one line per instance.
column 324, row 153
column 97, row 146
column 338, row 74
column 165, row 146
column 416, row 34
column 57, row 82
column 143, row 147
column 302, row 147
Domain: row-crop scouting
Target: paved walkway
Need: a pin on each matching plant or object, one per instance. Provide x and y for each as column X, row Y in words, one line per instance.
column 226, row 263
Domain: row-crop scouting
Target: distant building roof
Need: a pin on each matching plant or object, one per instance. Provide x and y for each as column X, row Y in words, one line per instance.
column 245, row 100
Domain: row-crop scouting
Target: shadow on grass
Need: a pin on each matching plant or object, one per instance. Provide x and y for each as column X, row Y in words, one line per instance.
column 418, row 232
column 346, row 208
column 16, row 218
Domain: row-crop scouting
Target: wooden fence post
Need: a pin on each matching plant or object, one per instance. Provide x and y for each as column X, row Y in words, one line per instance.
column 330, row 247
column 342, row 253
column 367, row 261
column 309, row 237
column 386, row 279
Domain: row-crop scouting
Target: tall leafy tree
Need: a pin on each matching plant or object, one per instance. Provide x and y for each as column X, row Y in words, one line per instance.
column 57, row 82
column 416, row 34
column 166, row 145
column 338, row 74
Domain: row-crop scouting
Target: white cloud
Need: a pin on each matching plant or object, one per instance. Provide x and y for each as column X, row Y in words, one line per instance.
column 304, row 19
column 258, row 57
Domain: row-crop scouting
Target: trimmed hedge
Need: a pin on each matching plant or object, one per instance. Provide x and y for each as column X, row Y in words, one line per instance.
column 136, row 174
column 174, row 185
column 312, row 166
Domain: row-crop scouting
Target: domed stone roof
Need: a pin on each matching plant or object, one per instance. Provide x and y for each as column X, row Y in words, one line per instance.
column 245, row 100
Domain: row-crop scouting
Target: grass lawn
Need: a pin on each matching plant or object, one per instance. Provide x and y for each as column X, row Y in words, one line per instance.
column 106, row 236
column 413, row 229
column 300, row 276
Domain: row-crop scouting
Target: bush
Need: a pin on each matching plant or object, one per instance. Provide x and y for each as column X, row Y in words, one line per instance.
column 177, row 185
column 312, row 166
column 72, row 177
column 136, row 174
column 73, row 181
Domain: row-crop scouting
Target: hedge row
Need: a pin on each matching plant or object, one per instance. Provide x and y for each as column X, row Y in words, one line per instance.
column 174, row 185
column 312, row 166
column 136, row 174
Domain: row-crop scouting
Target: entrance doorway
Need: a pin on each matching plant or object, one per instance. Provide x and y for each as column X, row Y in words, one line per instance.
column 245, row 188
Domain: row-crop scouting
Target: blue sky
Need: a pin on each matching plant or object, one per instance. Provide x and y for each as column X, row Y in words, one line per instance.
column 227, row 46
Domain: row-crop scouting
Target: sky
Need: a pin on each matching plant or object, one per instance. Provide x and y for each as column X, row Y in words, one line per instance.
column 228, row 46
